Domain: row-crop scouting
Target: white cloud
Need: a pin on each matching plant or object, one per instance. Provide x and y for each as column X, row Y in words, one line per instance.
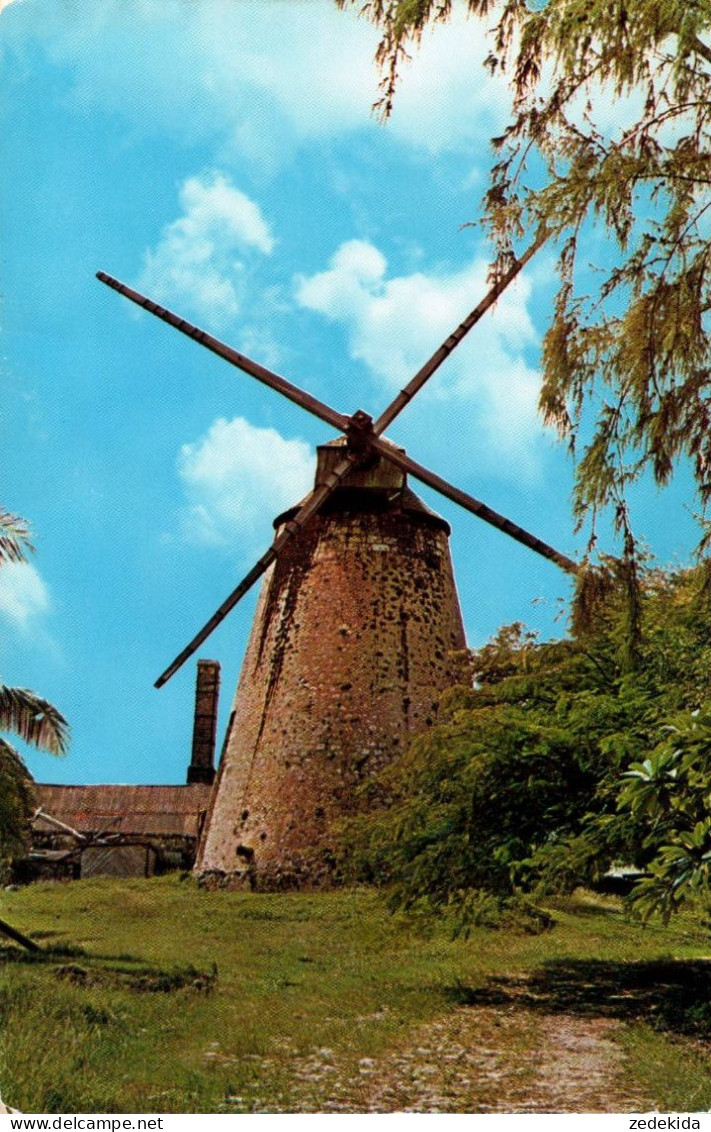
column 195, row 261
column 237, row 478
column 24, row 597
column 261, row 78
column 394, row 324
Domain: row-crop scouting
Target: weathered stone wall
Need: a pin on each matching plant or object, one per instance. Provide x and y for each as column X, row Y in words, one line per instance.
column 350, row 649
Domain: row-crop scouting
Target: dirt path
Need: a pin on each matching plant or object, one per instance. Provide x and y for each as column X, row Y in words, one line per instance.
column 476, row 1060
column 488, row 1060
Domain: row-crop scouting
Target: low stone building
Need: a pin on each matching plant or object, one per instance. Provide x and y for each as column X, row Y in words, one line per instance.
column 160, row 824
column 122, row 830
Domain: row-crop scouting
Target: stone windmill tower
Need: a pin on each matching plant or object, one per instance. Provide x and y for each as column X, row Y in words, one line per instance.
column 354, row 638
column 352, row 644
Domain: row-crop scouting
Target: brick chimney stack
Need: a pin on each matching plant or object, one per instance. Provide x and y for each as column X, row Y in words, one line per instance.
column 207, row 691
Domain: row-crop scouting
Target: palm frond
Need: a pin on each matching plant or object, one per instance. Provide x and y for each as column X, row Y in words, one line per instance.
column 14, row 538
column 35, row 720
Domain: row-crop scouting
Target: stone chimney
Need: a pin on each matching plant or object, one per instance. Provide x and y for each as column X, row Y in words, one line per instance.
column 207, row 691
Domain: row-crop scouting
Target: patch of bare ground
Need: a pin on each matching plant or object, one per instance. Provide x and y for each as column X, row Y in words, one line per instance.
column 583, row 1069
column 478, row 1060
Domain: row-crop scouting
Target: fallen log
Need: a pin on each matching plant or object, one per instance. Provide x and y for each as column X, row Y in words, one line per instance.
column 18, row 937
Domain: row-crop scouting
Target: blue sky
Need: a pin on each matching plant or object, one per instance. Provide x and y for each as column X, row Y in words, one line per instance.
column 222, row 156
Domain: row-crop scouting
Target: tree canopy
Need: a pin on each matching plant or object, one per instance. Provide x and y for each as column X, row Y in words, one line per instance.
column 627, row 355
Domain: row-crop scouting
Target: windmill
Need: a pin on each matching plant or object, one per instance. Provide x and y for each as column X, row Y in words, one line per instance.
column 354, row 637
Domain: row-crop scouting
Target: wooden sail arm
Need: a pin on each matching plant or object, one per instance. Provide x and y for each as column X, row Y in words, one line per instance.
column 241, row 361
column 473, row 505
column 442, row 353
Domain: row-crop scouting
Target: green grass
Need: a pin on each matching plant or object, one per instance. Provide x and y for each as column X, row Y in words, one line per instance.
column 136, row 1022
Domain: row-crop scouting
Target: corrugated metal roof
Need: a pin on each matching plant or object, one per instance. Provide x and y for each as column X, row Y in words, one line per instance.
column 156, row 810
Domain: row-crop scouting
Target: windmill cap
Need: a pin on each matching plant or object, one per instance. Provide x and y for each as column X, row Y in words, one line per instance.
column 380, row 486
column 377, row 475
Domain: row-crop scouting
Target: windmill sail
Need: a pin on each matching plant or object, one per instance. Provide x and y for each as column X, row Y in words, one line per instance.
column 361, row 432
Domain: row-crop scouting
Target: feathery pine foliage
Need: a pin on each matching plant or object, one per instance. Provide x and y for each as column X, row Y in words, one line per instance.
column 631, row 361
column 520, row 784
column 31, row 718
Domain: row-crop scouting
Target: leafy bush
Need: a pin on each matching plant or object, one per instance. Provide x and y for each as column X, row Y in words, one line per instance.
column 16, row 800
column 523, row 785
column 670, row 794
